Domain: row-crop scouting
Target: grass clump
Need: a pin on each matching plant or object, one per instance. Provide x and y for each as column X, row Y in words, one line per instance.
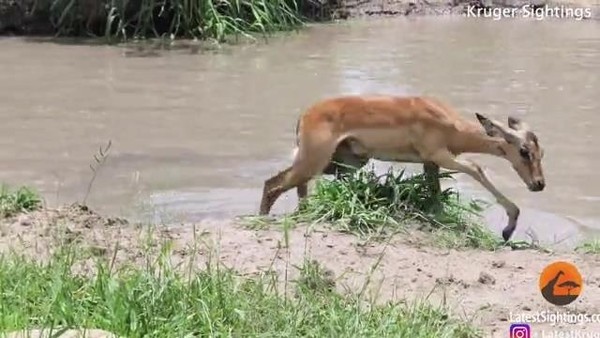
column 157, row 301
column 590, row 247
column 22, row 199
column 202, row 19
column 367, row 204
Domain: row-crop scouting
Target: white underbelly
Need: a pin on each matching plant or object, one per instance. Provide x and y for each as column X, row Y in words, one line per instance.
column 391, row 156
column 393, row 145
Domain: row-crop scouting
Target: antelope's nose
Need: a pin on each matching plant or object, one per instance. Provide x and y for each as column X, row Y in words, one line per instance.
column 538, row 185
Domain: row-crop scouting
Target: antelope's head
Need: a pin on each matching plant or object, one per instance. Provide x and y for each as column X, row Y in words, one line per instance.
column 521, row 149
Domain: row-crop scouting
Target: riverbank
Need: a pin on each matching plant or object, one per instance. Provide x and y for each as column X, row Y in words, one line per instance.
column 204, row 20
column 471, row 284
column 118, row 278
column 493, row 9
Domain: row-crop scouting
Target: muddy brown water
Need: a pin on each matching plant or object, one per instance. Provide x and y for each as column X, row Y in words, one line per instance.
column 195, row 133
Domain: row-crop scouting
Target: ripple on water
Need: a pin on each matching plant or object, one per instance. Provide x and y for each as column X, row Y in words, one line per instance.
column 200, row 133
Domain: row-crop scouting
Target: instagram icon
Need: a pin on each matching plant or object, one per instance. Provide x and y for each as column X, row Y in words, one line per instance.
column 519, row 330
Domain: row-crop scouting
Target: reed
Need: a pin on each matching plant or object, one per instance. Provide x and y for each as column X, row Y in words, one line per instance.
column 201, row 19
column 20, row 200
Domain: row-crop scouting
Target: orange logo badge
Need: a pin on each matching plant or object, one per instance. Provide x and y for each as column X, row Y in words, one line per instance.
column 561, row 283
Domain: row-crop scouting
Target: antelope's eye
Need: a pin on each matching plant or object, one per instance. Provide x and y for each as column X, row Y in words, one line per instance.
column 524, row 153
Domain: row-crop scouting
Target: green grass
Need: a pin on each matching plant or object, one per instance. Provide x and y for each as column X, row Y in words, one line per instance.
column 156, row 301
column 13, row 202
column 590, row 247
column 366, row 204
column 202, row 19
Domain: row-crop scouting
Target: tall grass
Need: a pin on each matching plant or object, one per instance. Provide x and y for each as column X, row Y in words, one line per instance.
column 202, row 19
column 156, row 301
column 368, row 204
column 14, row 201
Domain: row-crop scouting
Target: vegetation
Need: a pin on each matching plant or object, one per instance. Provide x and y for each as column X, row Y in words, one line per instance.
column 366, row 204
column 202, row 19
column 590, row 247
column 157, row 301
column 13, row 202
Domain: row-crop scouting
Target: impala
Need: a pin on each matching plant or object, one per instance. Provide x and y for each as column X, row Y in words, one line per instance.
column 348, row 131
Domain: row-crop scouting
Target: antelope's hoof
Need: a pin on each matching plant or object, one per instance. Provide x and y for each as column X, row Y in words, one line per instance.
column 506, row 234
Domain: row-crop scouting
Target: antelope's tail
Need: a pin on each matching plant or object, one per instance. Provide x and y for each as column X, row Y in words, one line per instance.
column 295, row 150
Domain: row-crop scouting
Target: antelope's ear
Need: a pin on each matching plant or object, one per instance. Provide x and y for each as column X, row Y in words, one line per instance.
column 491, row 127
column 515, row 123
column 494, row 128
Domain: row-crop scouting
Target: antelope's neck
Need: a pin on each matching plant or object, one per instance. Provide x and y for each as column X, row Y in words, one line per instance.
column 473, row 139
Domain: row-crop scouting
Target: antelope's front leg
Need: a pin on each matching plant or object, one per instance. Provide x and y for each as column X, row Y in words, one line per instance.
column 472, row 169
column 431, row 172
column 432, row 175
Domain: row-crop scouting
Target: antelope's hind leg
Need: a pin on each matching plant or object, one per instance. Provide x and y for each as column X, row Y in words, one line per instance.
column 345, row 161
column 301, row 191
column 275, row 186
column 304, row 168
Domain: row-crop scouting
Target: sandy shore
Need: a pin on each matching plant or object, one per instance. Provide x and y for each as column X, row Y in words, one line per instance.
column 488, row 288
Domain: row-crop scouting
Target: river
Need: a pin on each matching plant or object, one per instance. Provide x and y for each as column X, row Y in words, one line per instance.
column 196, row 132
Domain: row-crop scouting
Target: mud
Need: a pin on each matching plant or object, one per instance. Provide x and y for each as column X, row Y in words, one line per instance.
column 488, row 288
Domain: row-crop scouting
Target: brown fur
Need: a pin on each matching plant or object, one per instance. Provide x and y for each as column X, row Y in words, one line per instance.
column 350, row 130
